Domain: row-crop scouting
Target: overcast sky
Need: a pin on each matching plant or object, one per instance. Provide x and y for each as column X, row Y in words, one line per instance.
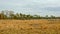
column 39, row 7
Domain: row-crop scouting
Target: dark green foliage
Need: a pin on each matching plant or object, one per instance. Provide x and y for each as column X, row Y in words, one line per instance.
column 10, row 15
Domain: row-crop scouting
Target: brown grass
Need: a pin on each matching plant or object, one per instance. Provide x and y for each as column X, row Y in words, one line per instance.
column 41, row 26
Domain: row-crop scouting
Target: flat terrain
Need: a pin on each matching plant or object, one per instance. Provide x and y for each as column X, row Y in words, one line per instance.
column 39, row 26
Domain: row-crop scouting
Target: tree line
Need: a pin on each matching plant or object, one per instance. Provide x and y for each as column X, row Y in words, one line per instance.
column 11, row 15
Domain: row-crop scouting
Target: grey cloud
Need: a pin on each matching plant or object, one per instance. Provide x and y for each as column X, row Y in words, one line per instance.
column 32, row 6
column 52, row 8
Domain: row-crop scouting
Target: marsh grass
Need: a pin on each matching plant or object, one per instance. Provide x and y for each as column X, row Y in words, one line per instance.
column 42, row 26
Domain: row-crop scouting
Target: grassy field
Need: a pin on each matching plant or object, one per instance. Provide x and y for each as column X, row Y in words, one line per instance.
column 39, row 26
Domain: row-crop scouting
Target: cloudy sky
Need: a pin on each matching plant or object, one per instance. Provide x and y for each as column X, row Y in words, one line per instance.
column 39, row 7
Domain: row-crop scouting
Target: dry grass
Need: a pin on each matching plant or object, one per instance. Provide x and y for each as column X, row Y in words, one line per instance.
column 42, row 26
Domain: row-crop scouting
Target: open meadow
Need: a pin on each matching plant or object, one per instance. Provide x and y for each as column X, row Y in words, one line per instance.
column 38, row 26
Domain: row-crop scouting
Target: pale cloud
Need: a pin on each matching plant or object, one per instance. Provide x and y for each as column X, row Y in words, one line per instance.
column 42, row 7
